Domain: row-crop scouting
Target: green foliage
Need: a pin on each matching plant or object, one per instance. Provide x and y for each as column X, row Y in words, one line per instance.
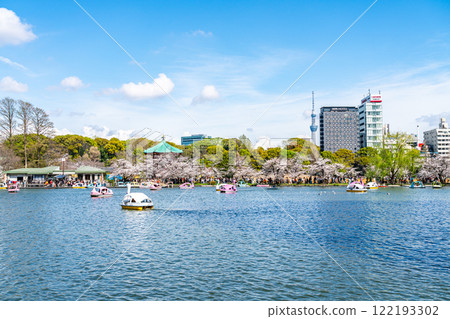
column 329, row 155
column 345, row 157
column 395, row 159
column 273, row 153
column 76, row 145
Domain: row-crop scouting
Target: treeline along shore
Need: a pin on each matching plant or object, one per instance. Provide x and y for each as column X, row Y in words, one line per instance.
column 28, row 140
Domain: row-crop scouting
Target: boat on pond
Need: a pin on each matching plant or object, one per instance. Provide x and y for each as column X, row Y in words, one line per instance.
column 13, row 188
column 151, row 185
column 101, row 192
column 155, row 187
column 3, row 186
column 79, row 185
column 371, row 185
column 145, row 185
column 229, row 188
column 219, row 185
column 356, row 187
column 243, row 184
column 417, row 184
column 187, row 185
column 136, row 201
column 437, row 184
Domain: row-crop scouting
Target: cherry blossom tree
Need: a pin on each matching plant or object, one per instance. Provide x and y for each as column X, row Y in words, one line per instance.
column 435, row 168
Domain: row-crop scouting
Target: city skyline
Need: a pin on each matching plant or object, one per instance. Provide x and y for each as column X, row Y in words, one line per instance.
column 223, row 74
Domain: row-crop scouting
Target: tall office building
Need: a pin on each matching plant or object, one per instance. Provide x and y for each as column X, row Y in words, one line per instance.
column 438, row 140
column 339, row 128
column 371, row 121
column 187, row 140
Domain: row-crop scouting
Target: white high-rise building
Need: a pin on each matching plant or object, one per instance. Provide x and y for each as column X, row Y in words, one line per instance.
column 438, row 140
column 371, row 121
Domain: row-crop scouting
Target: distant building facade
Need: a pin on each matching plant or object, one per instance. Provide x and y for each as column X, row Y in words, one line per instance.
column 187, row 140
column 339, row 128
column 438, row 140
column 371, row 121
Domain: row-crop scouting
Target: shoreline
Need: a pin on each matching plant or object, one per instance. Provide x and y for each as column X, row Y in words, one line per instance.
column 207, row 185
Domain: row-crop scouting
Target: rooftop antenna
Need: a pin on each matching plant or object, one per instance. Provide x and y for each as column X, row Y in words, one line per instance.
column 418, row 146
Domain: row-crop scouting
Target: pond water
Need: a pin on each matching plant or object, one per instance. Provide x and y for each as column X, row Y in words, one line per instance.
column 294, row 243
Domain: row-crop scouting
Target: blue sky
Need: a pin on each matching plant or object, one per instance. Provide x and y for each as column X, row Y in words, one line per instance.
column 223, row 62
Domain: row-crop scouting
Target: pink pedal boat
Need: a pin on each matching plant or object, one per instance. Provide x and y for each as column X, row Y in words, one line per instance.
column 151, row 185
column 14, row 188
column 155, row 187
column 101, row 192
column 187, row 185
column 229, row 188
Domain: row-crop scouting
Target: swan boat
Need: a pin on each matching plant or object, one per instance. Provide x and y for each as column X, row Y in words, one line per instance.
column 356, row 187
column 101, row 192
column 417, row 184
column 371, row 185
column 218, row 186
column 229, row 188
column 136, row 201
column 13, row 188
column 187, row 185
column 437, row 185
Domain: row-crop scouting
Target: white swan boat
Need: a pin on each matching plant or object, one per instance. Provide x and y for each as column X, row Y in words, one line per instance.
column 371, row 185
column 136, row 201
column 356, row 187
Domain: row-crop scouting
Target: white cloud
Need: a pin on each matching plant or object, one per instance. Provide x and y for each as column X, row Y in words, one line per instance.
column 12, row 63
column 202, row 33
column 63, row 131
column 105, row 132
column 12, row 30
column 140, row 91
column 209, row 93
column 72, row 83
column 8, row 84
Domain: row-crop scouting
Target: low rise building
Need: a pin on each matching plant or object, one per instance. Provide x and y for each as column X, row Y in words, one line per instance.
column 40, row 175
column 438, row 140
column 191, row 139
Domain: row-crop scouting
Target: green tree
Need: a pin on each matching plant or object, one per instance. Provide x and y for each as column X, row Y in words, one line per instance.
column 114, row 148
column 345, row 156
column 329, row 155
column 395, row 159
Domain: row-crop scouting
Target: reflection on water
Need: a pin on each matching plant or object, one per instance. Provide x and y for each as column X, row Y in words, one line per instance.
column 211, row 246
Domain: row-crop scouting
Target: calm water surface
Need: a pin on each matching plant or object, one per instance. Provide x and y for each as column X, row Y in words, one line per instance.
column 395, row 243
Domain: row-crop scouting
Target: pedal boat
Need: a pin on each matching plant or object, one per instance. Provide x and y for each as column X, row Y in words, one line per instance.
column 371, row 185
column 356, row 187
column 187, row 185
column 100, row 192
column 229, row 188
column 14, row 188
column 136, row 201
